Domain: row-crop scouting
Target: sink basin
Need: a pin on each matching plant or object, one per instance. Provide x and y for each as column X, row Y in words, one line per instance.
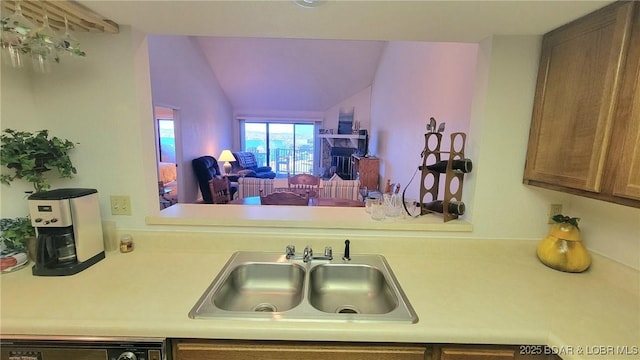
column 350, row 289
column 268, row 286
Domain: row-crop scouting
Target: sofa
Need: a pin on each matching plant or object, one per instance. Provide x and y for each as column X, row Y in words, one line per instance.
column 246, row 165
column 334, row 188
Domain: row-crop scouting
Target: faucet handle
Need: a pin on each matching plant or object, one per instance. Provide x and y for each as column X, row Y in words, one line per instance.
column 308, row 251
column 290, row 251
column 328, row 252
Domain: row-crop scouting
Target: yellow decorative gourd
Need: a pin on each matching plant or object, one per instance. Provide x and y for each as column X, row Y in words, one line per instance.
column 562, row 249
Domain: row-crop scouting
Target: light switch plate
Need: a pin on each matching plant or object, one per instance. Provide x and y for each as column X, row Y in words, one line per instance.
column 120, row 205
column 554, row 209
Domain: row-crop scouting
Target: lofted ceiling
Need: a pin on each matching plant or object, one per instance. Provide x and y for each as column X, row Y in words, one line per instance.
column 290, row 74
column 262, row 62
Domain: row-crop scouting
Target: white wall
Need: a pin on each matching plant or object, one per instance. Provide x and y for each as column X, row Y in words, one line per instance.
column 609, row 229
column 414, row 82
column 16, row 89
column 360, row 103
column 499, row 204
column 182, row 79
column 98, row 102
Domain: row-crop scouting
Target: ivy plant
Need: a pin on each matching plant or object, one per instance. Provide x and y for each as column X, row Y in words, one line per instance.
column 30, row 155
column 15, row 232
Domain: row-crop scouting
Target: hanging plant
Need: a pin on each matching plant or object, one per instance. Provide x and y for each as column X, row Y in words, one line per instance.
column 31, row 155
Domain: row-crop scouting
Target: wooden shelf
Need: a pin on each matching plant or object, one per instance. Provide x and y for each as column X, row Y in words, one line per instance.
column 80, row 18
column 352, row 137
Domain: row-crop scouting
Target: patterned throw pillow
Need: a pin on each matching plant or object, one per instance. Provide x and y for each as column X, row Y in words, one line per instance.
column 247, row 160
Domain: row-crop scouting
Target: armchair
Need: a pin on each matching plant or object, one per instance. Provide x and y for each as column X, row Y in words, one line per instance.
column 205, row 169
column 247, row 166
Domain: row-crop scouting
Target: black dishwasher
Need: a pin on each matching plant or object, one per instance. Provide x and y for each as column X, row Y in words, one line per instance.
column 81, row 348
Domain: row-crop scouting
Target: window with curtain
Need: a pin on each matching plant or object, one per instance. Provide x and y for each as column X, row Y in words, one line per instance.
column 288, row 147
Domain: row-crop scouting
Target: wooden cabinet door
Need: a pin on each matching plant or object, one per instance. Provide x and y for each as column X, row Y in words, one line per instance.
column 247, row 350
column 368, row 170
column 578, row 84
column 489, row 352
column 628, row 168
column 476, row 354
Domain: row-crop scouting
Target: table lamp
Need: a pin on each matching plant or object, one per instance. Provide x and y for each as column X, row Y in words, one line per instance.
column 227, row 157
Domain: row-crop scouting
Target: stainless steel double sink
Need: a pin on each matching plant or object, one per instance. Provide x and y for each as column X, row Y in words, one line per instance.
column 263, row 285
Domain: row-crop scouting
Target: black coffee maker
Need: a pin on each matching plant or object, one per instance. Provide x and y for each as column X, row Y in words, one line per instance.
column 69, row 230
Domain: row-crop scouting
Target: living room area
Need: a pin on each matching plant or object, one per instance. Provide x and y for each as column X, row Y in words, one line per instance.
column 291, row 134
column 263, row 167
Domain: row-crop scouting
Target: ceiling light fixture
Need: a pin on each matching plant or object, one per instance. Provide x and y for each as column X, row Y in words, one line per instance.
column 309, row 3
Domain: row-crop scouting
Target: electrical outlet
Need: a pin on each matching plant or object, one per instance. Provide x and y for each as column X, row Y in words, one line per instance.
column 120, row 205
column 554, row 209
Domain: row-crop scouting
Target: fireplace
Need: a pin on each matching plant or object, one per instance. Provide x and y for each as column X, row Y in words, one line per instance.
column 336, row 154
column 341, row 161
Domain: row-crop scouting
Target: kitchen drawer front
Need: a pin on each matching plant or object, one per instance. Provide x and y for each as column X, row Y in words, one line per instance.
column 250, row 350
column 493, row 352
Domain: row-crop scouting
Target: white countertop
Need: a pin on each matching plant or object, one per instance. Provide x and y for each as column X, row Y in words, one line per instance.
column 464, row 291
column 298, row 217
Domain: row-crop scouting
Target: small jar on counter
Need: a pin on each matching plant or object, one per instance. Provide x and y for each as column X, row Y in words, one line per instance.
column 126, row 243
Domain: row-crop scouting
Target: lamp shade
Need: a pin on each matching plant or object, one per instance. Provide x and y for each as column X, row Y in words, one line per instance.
column 226, row 155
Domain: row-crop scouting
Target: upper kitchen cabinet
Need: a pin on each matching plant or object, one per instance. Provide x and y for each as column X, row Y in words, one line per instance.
column 627, row 182
column 585, row 127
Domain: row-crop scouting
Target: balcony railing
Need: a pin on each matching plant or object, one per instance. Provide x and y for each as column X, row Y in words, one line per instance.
column 286, row 161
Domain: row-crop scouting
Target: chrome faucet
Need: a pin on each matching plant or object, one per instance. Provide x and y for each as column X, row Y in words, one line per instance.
column 290, row 251
column 307, row 254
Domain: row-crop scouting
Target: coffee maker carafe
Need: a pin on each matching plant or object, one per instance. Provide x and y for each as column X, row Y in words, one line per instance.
column 69, row 231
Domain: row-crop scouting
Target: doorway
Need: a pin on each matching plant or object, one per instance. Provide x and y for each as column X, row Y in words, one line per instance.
column 167, row 155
